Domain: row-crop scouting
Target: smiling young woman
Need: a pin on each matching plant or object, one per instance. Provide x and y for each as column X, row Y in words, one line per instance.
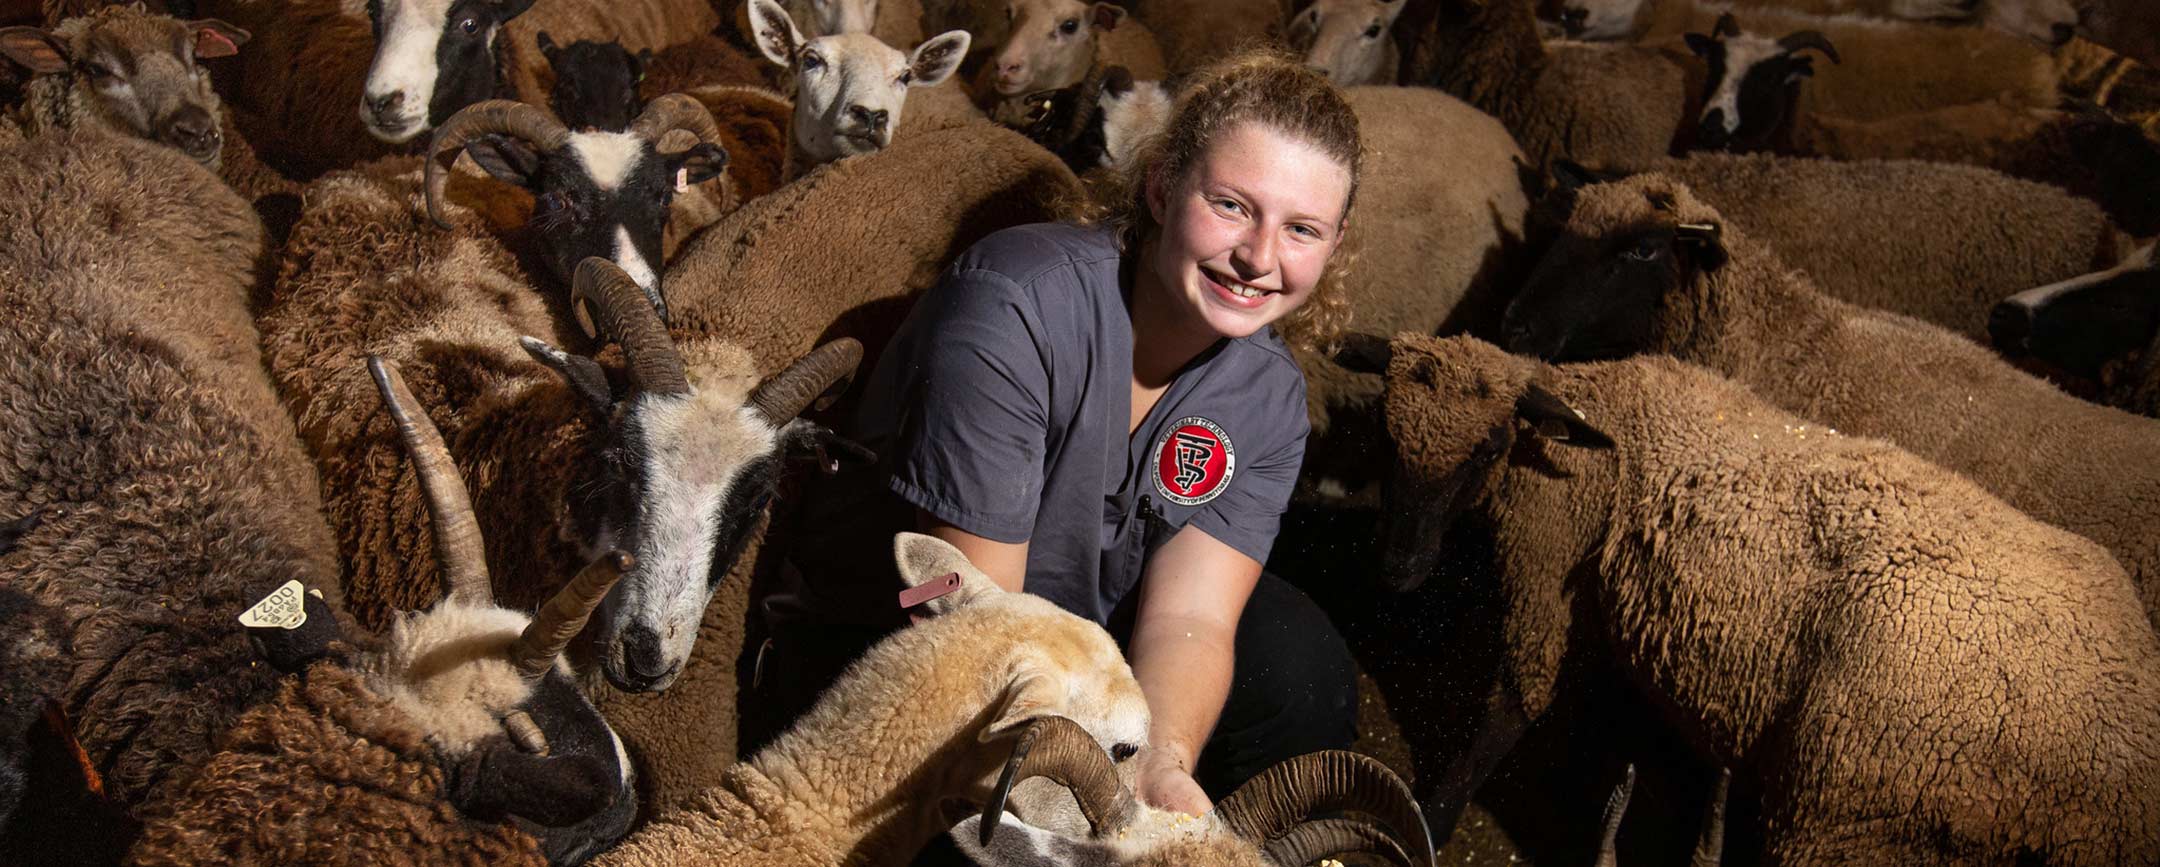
column 1105, row 412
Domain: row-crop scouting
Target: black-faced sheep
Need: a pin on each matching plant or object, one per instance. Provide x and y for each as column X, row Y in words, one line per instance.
column 850, row 89
column 1645, row 266
column 170, row 501
column 596, row 83
column 1600, row 105
column 2101, row 328
column 1098, row 123
column 1906, row 668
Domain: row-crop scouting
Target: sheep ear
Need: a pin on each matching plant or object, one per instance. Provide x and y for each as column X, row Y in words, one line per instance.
column 702, row 162
column 932, row 565
column 1569, row 175
column 1106, row 16
column 38, row 51
column 1699, row 44
column 804, row 439
column 548, row 48
column 584, row 374
column 1031, row 693
column 214, row 38
column 514, row 8
column 774, row 32
column 1360, row 352
column 936, row 59
column 509, row 160
column 1551, row 418
column 1019, row 844
column 291, row 628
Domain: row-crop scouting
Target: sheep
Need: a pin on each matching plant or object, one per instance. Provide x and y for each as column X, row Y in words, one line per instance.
column 430, row 63
column 2040, row 22
column 596, row 83
column 1645, row 266
column 1098, row 123
column 1908, row 669
column 1936, row 242
column 168, row 502
column 1194, row 33
column 2097, row 328
column 850, row 88
column 893, row 22
column 1350, row 40
column 1595, row 104
column 293, row 90
column 126, row 70
column 1053, row 44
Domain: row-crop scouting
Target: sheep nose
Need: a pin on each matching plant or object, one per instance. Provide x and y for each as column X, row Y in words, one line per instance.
column 385, row 105
column 1574, row 20
column 873, row 121
column 1711, row 133
column 1518, row 336
column 2010, row 327
column 642, row 655
column 192, row 130
column 2063, row 33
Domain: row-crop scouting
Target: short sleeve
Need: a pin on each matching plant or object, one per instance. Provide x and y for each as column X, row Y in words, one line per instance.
column 1249, row 512
column 974, row 407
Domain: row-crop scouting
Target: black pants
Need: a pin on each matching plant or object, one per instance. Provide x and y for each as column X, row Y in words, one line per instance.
column 1294, row 689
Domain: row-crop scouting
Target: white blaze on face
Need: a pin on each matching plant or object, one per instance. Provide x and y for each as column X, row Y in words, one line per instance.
column 405, row 64
column 1606, row 19
column 608, row 157
column 858, row 71
column 1741, row 54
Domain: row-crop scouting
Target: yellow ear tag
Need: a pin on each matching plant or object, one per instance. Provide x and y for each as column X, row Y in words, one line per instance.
column 284, row 608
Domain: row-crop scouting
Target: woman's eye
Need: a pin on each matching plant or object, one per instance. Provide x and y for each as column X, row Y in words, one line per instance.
column 1229, row 206
column 470, row 26
column 1645, row 251
column 1307, row 231
column 1070, row 26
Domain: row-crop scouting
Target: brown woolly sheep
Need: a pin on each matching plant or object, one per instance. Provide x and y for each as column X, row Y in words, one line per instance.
column 293, row 90
column 1645, row 266
column 170, row 496
column 1596, row 104
column 942, row 191
column 1909, row 670
column 2100, row 328
column 128, row 71
column 1937, row 242
column 1194, row 33
column 2041, row 22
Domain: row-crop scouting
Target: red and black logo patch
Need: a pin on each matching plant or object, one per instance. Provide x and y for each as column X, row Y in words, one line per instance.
column 1194, row 462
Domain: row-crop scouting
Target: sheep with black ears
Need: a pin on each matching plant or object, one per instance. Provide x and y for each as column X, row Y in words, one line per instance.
column 1643, row 265
column 170, row 496
column 850, row 89
column 1054, row 44
column 2101, row 328
column 1909, row 669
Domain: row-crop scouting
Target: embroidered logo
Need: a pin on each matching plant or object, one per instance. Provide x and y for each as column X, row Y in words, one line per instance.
column 1194, row 462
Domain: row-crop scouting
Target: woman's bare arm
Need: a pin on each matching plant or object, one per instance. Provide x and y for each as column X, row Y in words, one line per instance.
column 1183, row 654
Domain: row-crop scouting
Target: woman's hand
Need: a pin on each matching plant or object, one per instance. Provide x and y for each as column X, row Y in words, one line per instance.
column 1164, row 782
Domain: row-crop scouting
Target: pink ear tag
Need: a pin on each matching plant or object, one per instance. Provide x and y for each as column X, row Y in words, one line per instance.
column 914, row 597
column 682, row 180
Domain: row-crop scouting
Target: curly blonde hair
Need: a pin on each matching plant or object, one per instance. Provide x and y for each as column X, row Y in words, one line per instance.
column 1267, row 87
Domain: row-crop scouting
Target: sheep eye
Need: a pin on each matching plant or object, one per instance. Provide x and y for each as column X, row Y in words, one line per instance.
column 99, row 71
column 812, row 62
column 1373, row 32
column 470, row 26
column 1070, row 27
column 1122, row 752
column 907, row 76
column 1645, row 251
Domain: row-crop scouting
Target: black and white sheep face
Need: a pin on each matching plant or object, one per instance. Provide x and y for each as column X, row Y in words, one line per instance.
column 1599, row 20
column 1753, row 85
column 1614, row 286
column 596, row 83
column 2082, row 324
column 432, row 57
column 1050, row 44
column 1349, row 40
column 137, row 73
column 1102, row 132
column 602, row 194
column 850, row 87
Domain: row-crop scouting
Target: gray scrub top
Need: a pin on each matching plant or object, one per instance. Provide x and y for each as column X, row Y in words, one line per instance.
column 1001, row 407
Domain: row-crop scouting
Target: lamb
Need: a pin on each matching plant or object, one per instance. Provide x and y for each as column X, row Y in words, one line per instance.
column 1350, row 40
column 1194, row 33
column 850, row 89
column 188, row 501
column 126, row 70
column 1053, row 44
column 1828, row 615
column 1596, row 104
column 2099, row 328
column 1936, row 242
column 1645, row 266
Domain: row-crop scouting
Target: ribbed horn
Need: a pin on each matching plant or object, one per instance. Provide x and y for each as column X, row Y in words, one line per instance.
column 1332, row 839
column 675, row 111
column 1803, row 39
column 1608, row 853
column 1059, row 749
column 1710, row 848
column 625, row 315
column 493, row 116
column 564, row 615
column 786, row 394
column 1286, row 795
column 526, row 733
column 457, row 531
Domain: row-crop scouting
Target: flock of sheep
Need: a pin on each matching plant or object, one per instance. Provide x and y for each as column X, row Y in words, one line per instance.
column 397, row 398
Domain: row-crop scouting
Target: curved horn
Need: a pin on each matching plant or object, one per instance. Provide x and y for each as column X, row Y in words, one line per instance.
column 784, row 395
column 675, row 111
column 526, row 733
column 1274, row 803
column 1803, row 39
column 497, row 116
column 624, row 313
column 1608, row 853
column 457, row 531
column 1332, row 839
column 1059, row 749
column 1710, row 848
column 564, row 615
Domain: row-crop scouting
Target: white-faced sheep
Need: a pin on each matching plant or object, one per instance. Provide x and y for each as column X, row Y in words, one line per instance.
column 1596, row 104
column 1053, row 44
column 1645, row 266
column 2101, row 328
column 1908, row 670
column 1195, row 33
column 169, row 501
column 1351, row 40
column 850, row 89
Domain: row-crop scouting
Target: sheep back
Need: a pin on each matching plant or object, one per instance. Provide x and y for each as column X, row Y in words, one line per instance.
column 1194, row 33
column 294, row 89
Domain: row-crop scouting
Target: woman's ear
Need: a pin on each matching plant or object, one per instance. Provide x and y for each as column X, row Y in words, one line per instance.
column 1155, row 198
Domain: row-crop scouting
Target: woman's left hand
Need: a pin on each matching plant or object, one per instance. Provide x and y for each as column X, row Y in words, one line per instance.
column 1164, row 782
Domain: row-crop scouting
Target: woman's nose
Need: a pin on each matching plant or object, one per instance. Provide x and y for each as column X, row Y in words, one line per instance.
column 1256, row 256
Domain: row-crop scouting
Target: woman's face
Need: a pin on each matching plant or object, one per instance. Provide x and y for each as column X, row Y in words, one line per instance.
column 1248, row 230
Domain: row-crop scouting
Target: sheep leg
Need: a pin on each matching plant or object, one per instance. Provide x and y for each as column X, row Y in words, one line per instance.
column 1502, row 725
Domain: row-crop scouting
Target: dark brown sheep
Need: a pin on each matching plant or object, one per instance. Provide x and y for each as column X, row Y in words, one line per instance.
column 1909, row 670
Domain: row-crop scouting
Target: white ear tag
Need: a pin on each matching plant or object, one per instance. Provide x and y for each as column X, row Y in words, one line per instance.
column 283, row 609
column 682, row 180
